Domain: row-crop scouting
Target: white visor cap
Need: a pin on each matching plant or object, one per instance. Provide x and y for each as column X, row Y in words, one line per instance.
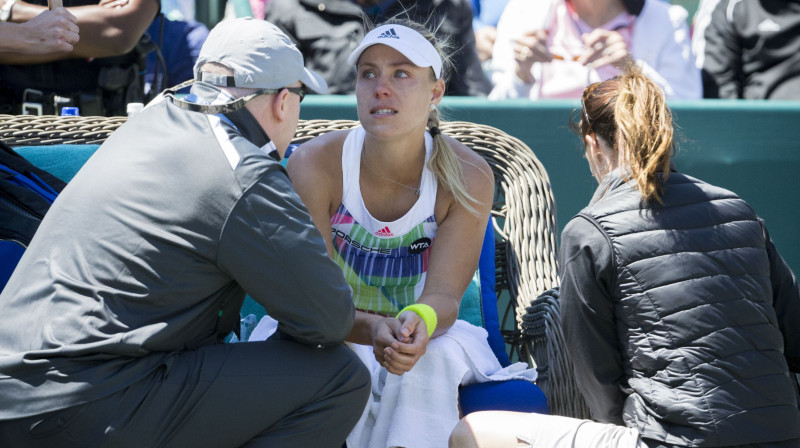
column 405, row 40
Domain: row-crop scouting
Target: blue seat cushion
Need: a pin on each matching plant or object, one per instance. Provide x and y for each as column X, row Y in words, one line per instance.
column 511, row 395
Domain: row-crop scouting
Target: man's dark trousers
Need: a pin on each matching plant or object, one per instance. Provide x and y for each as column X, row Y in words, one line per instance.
column 274, row 393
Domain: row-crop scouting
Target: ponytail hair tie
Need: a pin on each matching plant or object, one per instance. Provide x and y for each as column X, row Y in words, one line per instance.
column 434, row 131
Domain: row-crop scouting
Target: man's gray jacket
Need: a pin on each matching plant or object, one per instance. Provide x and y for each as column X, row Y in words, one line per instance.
column 680, row 319
column 149, row 251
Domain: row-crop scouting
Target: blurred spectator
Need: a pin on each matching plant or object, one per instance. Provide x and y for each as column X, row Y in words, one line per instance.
column 749, row 49
column 53, row 31
column 177, row 52
column 100, row 75
column 258, row 8
column 327, row 31
column 555, row 48
column 486, row 14
column 178, row 9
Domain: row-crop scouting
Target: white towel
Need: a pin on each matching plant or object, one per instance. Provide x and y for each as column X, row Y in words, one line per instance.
column 265, row 328
column 419, row 409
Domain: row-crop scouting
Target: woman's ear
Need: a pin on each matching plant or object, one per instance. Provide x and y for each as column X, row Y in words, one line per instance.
column 592, row 145
column 598, row 164
column 438, row 91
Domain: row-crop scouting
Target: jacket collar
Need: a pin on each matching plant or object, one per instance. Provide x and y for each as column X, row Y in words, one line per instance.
column 242, row 120
column 614, row 180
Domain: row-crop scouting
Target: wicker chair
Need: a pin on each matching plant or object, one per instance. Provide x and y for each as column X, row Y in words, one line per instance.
column 523, row 215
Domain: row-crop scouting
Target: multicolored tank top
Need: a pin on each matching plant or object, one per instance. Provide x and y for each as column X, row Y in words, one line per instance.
column 384, row 262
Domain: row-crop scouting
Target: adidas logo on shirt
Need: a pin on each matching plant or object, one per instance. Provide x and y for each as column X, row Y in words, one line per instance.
column 390, row 34
column 384, row 232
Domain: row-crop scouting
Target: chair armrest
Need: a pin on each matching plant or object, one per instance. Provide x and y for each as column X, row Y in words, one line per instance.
column 543, row 338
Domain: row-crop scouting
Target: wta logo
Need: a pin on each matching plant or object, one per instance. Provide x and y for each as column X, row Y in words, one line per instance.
column 419, row 246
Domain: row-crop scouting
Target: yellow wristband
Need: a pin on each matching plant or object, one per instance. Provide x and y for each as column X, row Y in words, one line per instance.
column 426, row 313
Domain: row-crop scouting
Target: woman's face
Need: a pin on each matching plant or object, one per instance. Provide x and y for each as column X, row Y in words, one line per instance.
column 393, row 94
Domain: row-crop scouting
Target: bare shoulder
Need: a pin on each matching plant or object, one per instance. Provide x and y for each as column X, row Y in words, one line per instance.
column 318, row 157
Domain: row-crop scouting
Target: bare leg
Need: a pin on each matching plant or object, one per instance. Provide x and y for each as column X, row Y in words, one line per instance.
column 490, row 429
column 504, row 429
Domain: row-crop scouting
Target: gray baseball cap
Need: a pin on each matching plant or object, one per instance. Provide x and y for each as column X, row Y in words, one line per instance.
column 260, row 55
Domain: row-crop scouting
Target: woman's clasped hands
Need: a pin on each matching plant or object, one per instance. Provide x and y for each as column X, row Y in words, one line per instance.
column 398, row 343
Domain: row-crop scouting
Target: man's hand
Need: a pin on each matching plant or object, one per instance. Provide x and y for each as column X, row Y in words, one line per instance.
column 53, row 31
column 384, row 333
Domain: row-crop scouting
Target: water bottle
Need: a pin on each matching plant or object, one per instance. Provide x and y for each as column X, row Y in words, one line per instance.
column 134, row 108
column 68, row 111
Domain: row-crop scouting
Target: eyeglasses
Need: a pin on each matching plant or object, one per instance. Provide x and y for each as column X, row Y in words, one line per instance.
column 299, row 91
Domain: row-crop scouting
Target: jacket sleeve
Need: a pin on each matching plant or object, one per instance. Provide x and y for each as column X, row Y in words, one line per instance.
column 468, row 79
column 719, row 53
column 587, row 313
column 786, row 301
column 271, row 247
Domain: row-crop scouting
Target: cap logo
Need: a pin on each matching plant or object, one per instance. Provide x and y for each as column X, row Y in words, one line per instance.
column 412, row 44
column 249, row 79
column 390, row 34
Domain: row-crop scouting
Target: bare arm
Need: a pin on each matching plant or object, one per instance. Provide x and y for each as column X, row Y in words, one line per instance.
column 312, row 169
column 454, row 257
column 105, row 31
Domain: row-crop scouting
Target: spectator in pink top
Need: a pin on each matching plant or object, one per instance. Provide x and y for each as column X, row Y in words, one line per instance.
column 555, row 48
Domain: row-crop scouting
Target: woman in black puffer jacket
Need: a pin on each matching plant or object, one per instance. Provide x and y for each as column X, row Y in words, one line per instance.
column 680, row 315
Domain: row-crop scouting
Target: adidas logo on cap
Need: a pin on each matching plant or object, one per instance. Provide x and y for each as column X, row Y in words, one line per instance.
column 390, row 34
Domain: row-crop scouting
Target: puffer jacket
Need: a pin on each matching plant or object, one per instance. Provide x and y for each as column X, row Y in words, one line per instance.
column 679, row 317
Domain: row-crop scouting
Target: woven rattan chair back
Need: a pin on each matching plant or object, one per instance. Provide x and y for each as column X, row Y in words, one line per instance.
column 523, row 214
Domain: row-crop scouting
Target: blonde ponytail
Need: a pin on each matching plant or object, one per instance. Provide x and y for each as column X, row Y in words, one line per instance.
column 446, row 166
column 645, row 132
